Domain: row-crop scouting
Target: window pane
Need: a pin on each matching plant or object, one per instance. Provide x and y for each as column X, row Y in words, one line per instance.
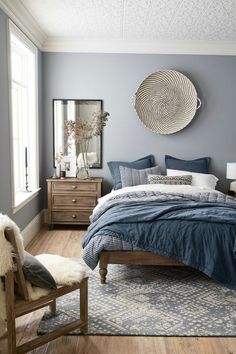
column 18, row 112
column 24, row 112
column 17, row 64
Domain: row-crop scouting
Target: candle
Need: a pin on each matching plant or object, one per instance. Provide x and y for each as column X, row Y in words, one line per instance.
column 26, row 158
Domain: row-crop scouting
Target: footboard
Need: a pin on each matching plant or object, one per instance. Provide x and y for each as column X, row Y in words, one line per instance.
column 132, row 257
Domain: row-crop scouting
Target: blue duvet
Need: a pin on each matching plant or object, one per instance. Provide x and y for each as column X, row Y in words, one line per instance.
column 199, row 231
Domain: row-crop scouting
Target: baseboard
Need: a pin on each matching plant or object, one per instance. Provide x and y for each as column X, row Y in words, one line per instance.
column 33, row 228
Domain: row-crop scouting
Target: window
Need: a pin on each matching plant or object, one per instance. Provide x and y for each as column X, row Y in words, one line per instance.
column 24, row 112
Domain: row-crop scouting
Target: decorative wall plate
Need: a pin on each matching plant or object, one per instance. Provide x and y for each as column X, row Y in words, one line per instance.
column 166, row 101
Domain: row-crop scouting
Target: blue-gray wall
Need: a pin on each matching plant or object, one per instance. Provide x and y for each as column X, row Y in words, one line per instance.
column 115, row 78
column 26, row 214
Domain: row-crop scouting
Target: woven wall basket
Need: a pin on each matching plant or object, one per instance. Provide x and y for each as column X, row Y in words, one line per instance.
column 166, row 101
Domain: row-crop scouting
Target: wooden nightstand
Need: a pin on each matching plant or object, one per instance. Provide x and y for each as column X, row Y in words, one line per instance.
column 72, row 200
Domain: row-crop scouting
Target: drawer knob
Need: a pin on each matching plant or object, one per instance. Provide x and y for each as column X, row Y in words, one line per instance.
column 73, row 200
column 73, row 216
column 73, row 186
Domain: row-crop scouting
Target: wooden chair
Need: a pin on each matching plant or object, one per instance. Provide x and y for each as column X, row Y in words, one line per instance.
column 18, row 307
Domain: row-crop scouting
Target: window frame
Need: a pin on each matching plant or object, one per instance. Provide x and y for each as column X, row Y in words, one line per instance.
column 23, row 198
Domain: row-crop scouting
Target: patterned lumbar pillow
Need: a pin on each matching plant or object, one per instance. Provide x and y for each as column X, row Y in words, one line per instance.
column 156, row 179
column 133, row 177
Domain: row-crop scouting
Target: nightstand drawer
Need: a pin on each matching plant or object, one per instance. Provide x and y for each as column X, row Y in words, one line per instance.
column 71, row 216
column 74, row 201
column 74, row 186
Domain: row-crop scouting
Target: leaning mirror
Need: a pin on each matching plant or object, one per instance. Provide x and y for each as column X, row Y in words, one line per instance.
column 72, row 110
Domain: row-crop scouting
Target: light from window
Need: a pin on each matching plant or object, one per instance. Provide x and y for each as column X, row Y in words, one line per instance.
column 23, row 82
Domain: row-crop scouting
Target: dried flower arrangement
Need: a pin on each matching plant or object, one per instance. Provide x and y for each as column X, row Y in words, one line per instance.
column 82, row 131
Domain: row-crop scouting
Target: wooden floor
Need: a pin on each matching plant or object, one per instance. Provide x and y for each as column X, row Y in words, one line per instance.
column 67, row 243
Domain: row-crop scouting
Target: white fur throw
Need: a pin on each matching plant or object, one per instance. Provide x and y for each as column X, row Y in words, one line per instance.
column 6, row 261
column 64, row 270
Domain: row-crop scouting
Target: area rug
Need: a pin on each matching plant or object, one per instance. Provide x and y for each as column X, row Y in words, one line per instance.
column 151, row 301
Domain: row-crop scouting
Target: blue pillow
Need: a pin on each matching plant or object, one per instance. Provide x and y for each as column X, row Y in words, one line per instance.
column 199, row 165
column 114, row 166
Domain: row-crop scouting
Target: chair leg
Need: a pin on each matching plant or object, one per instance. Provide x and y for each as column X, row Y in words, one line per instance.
column 10, row 308
column 53, row 307
column 84, row 305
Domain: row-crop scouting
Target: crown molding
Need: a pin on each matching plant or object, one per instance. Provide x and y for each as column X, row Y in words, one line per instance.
column 24, row 20
column 201, row 47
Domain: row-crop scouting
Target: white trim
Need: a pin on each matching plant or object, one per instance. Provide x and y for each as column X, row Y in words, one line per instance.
column 201, row 47
column 28, row 197
column 24, row 20
column 10, row 113
column 37, row 115
column 32, row 228
column 20, row 34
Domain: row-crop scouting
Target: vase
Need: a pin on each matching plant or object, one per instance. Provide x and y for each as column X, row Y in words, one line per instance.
column 83, row 173
column 83, row 167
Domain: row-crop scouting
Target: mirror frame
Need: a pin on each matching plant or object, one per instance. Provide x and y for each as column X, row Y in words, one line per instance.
column 101, row 136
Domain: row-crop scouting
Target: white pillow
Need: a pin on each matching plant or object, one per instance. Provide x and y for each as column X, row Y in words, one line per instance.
column 201, row 180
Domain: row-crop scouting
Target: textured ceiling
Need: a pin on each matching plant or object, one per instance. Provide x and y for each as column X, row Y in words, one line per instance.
column 142, row 20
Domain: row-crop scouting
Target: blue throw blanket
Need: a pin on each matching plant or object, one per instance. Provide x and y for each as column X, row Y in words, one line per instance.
column 199, row 231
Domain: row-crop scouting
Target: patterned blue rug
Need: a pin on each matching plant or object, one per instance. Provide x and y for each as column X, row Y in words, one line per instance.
column 151, row 301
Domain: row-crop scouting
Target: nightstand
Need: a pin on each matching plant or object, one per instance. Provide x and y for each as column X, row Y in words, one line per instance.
column 72, row 200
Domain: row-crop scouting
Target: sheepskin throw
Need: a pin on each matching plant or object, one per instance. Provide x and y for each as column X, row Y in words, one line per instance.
column 64, row 270
column 6, row 261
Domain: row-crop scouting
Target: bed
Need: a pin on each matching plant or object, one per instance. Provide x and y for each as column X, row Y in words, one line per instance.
column 164, row 225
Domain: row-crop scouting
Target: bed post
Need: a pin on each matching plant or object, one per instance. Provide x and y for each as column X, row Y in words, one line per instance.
column 103, row 267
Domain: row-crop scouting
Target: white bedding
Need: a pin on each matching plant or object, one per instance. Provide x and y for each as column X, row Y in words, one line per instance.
column 166, row 188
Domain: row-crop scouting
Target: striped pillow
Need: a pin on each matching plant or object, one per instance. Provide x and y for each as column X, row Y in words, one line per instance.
column 133, row 177
column 156, row 179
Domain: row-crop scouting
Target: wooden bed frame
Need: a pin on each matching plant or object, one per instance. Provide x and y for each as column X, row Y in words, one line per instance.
column 132, row 257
